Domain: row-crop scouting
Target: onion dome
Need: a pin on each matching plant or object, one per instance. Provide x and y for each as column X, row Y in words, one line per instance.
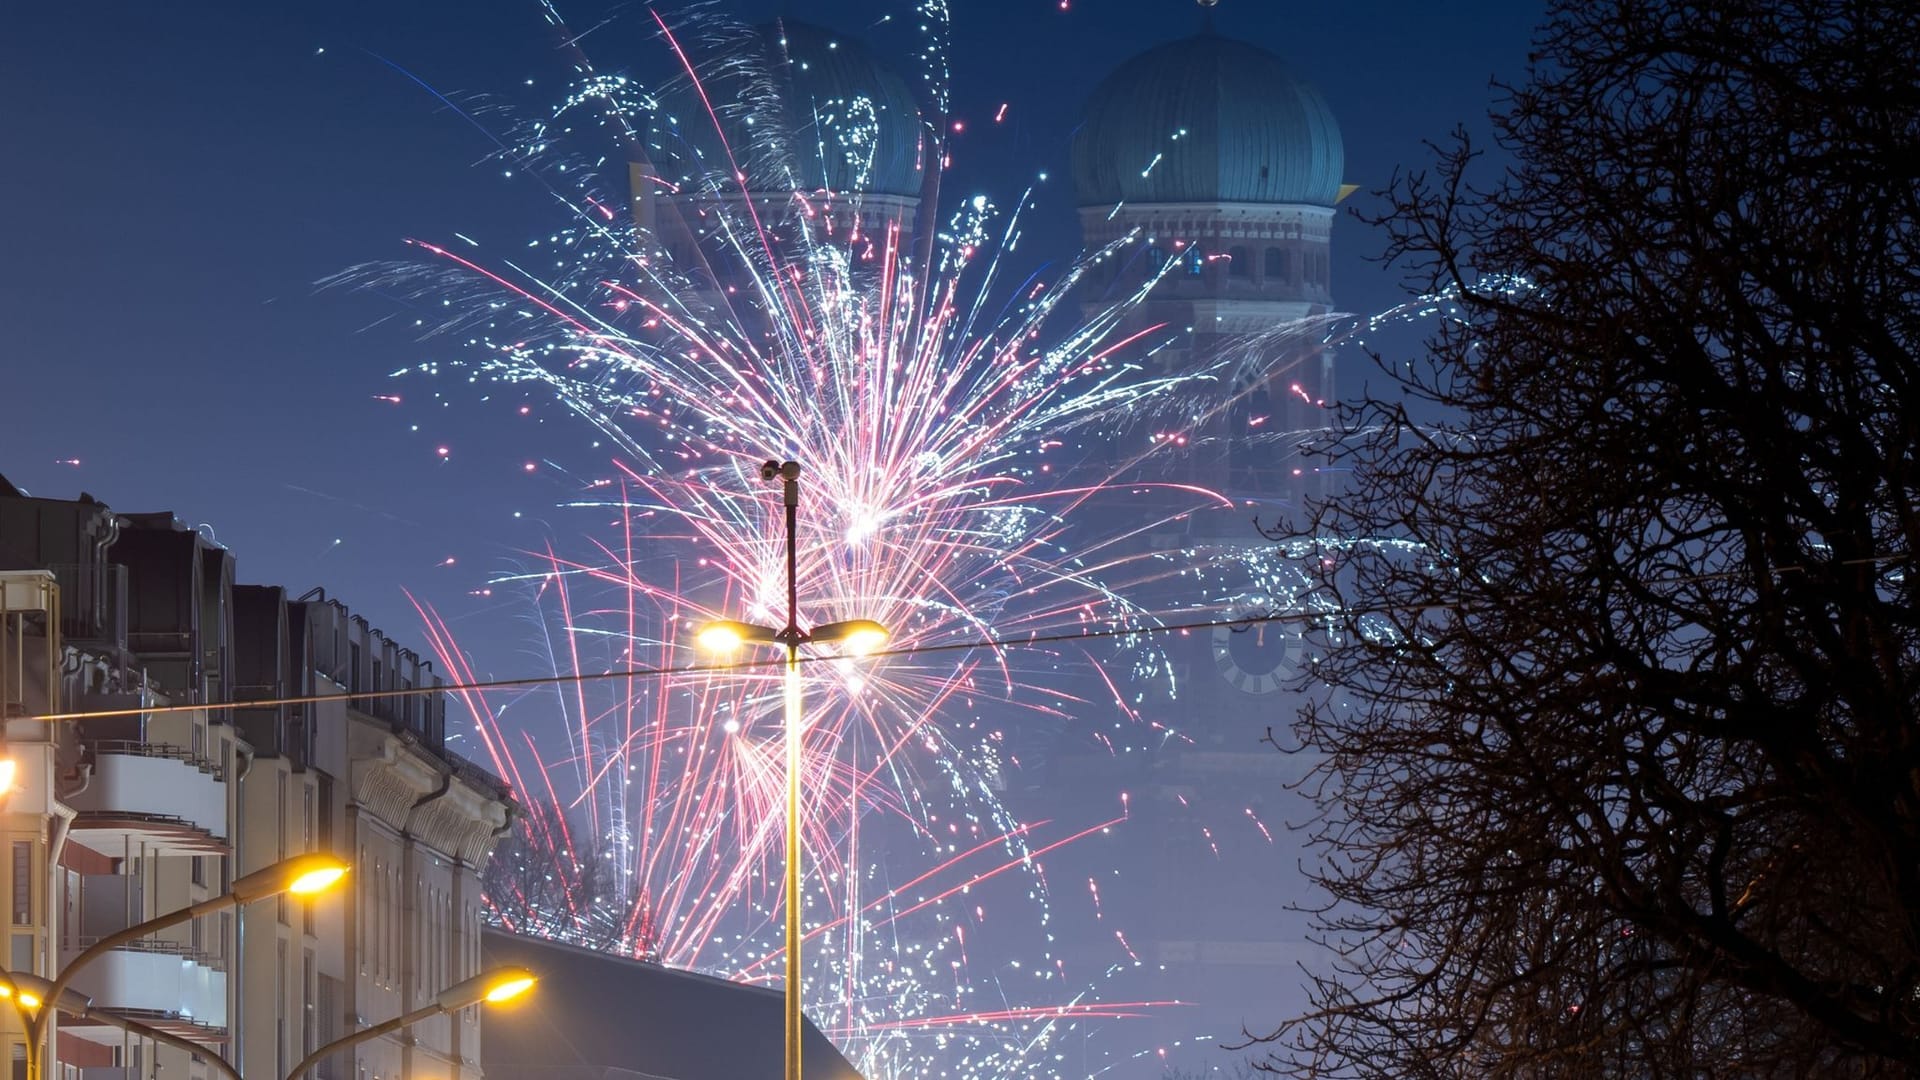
column 804, row 109
column 1207, row 120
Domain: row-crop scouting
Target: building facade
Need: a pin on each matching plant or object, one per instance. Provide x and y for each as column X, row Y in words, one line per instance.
column 114, row 819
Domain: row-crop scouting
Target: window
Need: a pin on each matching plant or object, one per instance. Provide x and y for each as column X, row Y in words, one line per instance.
column 308, row 835
column 324, row 840
column 380, row 921
column 1239, row 262
column 280, row 1013
column 280, row 821
column 70, row 916
column 1196, row 262
column 310, row 1017
column 199, row 864
column 361, row 912
column 1276, row 267
column 1156, row 258
column 422, row 907
column 22, row 885
column 327, row 997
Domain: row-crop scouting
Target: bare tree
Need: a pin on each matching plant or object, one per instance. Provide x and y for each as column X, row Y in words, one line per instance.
column 550, row 878
column 1625, row 780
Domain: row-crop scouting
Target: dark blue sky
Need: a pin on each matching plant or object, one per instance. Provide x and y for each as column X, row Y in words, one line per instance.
column 177, row 177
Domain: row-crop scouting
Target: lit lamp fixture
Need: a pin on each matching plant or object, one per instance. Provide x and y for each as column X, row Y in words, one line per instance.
column 856, row 637
column 8, row 769
column 302, row 876
column 494, row 987
column 30, row 992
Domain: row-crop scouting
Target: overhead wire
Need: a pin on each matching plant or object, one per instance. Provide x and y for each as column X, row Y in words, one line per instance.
column 559, row 679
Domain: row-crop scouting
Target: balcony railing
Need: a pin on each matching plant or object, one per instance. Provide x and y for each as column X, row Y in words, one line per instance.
column 153, row 979
column 156, row 793
column 168, row 751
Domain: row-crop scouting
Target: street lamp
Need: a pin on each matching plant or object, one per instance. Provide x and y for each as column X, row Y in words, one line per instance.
column 857, row 636
column 301, row 876
column 492, row 987
column 30, row 992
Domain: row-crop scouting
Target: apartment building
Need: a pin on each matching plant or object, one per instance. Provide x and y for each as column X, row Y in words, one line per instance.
column 115, row 819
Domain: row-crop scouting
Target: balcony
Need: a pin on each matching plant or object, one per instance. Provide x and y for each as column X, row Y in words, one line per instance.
column 169, row 986
column 163, row 796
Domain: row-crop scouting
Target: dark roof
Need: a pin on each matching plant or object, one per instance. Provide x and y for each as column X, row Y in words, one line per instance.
column 596, row 1016
column 1207, row 119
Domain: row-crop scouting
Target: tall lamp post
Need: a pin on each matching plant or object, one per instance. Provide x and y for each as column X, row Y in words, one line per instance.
column 31, row 994
column 857, row 636
column 492, row 987
column 302, row 875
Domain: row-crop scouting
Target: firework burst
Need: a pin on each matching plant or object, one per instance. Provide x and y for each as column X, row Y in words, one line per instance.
column 729, row 311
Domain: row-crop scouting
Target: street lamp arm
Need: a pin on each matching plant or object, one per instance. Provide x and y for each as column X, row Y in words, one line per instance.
column 136, row 1028
column 405, row 1020
column 499, row 984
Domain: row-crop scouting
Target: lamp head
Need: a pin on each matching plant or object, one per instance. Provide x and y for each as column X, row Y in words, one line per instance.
column 509, row 985
column 856, row 636
column 493, row 987
column 726, row 635
column 302, row 875
column 9, row 769
column 31, row 991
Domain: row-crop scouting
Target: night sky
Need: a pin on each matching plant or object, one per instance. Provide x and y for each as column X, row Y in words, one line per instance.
column 179, row 178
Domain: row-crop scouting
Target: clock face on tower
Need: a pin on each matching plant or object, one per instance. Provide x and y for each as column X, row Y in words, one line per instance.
column 1256, row 659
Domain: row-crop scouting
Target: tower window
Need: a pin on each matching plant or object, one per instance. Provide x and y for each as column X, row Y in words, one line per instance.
column 1196, row 263
column 1239, row 262
column 1156, row 258
column 1276, row 264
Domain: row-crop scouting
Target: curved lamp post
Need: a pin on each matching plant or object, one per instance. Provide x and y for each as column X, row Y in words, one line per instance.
column 302, row 875
column 492, row 987
column 856, row 636
column 31, row 992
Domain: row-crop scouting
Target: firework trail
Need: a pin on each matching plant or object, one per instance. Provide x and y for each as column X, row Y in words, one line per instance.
column 731, row 313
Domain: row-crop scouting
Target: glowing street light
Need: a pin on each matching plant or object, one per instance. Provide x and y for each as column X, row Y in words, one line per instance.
column 855, row 636
column 860, row 637
column 495, row 987
column 30, row 992
column 725, row 635
column 302, row 876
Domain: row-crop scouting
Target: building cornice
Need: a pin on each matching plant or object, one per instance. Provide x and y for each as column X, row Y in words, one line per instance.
column 423, row 795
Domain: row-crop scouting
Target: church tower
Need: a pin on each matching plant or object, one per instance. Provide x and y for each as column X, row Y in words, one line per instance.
column 1210, row 170
column 1218, row 161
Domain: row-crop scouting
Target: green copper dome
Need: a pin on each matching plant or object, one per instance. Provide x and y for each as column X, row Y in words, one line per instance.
column 1203, row 120
column 804, row 109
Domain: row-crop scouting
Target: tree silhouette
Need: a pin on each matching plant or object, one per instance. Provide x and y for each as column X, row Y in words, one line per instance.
column 1625, row 774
